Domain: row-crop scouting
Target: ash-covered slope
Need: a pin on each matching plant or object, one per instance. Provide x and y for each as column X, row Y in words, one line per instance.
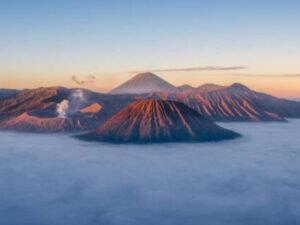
column 144, row 83
column 158, row 121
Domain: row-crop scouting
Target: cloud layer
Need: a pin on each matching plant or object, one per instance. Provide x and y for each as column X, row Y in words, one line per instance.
column 190, row 69
column 56, row 179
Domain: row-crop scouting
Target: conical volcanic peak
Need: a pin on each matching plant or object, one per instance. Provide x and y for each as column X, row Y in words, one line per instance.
column 158, row 121
column 144, row 83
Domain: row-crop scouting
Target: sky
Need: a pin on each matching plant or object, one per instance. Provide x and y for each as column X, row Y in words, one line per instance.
column 48, row 43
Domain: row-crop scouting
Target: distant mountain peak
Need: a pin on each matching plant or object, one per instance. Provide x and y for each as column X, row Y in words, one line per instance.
column 144, row 83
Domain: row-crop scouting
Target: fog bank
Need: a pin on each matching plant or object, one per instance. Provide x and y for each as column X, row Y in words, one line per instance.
column 56, row 179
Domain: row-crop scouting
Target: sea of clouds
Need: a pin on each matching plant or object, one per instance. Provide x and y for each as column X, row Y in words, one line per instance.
column 56, row 179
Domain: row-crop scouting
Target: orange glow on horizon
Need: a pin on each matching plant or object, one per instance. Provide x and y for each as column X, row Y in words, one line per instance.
column 279, row 86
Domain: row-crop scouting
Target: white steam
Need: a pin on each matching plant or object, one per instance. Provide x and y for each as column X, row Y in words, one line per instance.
column 78, row 94
column 71, row 106
column 62, row 108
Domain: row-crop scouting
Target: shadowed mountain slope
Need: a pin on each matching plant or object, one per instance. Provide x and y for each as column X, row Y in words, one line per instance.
column 158, row 121
column 8, row 93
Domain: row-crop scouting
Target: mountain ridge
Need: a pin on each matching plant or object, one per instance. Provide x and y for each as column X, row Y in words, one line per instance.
column 232, row 103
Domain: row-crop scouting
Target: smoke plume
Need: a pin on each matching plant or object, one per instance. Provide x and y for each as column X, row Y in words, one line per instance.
column 71, row 106
column 88, row 80
column 76, row 100
column 78, row 94
column 62, row 108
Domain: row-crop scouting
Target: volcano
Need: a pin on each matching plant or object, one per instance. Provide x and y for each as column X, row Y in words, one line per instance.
column 149, row 121
column 144, row 83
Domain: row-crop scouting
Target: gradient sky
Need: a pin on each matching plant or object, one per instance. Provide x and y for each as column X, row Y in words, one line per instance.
column 44, row 43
